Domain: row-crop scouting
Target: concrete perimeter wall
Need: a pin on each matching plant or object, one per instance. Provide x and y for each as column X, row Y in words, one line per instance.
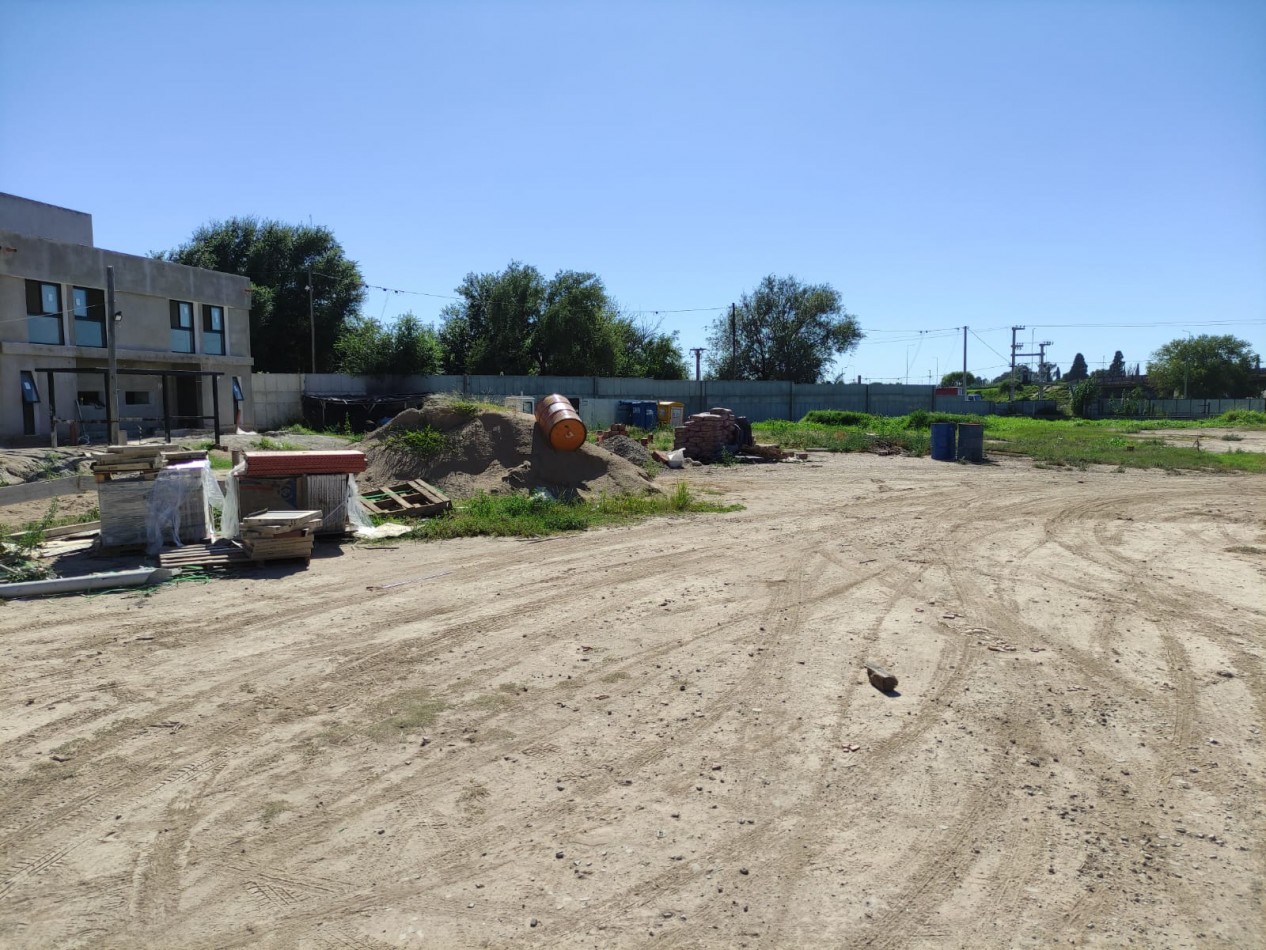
column 277, row 397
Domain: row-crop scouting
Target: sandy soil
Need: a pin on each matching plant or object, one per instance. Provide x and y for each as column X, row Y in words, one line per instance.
column 1211, row 440
column 664, row 730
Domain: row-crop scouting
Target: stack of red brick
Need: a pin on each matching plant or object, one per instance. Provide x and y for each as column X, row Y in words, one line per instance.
column 705, row 434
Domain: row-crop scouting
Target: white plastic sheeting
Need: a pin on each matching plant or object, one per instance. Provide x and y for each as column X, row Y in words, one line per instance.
column 173, row 501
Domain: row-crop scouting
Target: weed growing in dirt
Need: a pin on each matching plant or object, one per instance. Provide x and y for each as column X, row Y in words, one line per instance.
column 274, row 809
column 342, row 431
column 265, row 444
column 17, row 549
column 425, row 443
column 537, row 516
column 470, row 405
column 407, row 712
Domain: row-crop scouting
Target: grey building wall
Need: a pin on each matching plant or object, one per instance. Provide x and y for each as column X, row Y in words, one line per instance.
column 145, row 289
column 37, row 219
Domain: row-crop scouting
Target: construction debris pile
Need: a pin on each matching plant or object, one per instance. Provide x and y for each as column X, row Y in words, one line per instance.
column 287, row 481
column 490, row 450
column 151, row 495
column 630, row 449
column 707, row 434
column 281, row 535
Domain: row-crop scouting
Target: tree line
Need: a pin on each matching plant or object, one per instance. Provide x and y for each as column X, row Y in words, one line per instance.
column 518, row 321
column 514, row 321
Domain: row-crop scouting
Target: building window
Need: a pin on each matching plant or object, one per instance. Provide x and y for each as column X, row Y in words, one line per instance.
column 90, row 397
column 136, row 397
column 181, row 326
column 213, row 329
column 89, row 308
column 44, row 312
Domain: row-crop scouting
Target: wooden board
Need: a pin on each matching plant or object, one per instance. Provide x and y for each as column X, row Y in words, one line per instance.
column 289, row 520
column 414, row 499
column 219, row 554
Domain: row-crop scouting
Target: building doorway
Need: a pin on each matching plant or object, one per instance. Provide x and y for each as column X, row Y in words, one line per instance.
column 188, row 404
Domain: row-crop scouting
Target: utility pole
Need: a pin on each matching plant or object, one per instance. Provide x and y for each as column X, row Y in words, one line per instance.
column 698, row 352
column 1041, row 367
column 733, row 342
column 964, row 389
column 112, row 362
column 311, row 320
column 1041, row 355
column 1014, row 330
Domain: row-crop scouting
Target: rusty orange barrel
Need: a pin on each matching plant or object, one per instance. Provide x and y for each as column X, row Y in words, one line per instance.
column 560, row 423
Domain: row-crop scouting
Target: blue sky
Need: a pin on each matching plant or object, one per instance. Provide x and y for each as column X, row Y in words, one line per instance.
column 1095, row 172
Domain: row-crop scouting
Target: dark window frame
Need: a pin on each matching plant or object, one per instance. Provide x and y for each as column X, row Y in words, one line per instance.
column 95, row 315
column 211, row 333
column 179, row 326
column 36, row 309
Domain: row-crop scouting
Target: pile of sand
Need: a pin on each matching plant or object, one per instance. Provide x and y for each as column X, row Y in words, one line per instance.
column 494, row 451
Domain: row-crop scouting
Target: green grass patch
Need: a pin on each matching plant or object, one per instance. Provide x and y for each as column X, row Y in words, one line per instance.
column 518, row 516
column 265, row 444
column 1050, row 442
column 405, row 713
column 343, row 431
column 470, row 405
column 426, row 442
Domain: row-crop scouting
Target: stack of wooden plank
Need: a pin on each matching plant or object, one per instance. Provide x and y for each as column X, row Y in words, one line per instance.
column 415, row 499
column 143, row 460
column 280, row 535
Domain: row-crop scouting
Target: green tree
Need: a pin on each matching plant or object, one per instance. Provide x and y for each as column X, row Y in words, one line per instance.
column 956, row 378
column 490, row 329
column 1082, row 397
column 1117, row 366
column 517, row 322
column 782, row 330
column 277, row 258
column 1204, row 367
column 648, row 353
column 405, row 347
column 1078, row 371
column 575, row 333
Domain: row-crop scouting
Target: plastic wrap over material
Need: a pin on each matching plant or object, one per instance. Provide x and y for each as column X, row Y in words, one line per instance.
column 337, row 497
column 231, row 517
column 362, row 525
column 178, row 505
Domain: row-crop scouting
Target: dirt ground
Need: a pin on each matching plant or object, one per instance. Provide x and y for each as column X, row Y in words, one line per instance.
column 664, row 730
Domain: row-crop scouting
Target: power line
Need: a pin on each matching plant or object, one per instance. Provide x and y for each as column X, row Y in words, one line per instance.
column 988, row 347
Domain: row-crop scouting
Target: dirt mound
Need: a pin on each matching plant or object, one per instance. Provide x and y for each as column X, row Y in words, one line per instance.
column 492, row 451
column 628, row 449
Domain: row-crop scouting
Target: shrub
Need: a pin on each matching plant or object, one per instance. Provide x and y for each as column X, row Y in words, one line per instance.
column 835, row 417
column 426, row 442
column 1083, row 396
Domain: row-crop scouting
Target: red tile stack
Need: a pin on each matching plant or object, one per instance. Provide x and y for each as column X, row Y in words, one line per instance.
column 281, row 464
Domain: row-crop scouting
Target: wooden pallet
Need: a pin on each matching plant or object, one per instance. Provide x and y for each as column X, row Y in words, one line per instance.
column 414, row 499
column 215, row 555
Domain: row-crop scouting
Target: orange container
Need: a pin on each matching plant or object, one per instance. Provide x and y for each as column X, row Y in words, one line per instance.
column 560, row 423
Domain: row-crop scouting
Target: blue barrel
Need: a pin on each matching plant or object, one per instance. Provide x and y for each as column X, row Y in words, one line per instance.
column 624, row 412
column 971, row 441
column 943, row 441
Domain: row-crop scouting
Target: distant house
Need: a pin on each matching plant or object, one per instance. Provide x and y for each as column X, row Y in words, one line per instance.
column 169, row 317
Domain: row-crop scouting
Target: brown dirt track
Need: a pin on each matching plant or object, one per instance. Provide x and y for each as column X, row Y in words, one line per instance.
column 644, row 731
